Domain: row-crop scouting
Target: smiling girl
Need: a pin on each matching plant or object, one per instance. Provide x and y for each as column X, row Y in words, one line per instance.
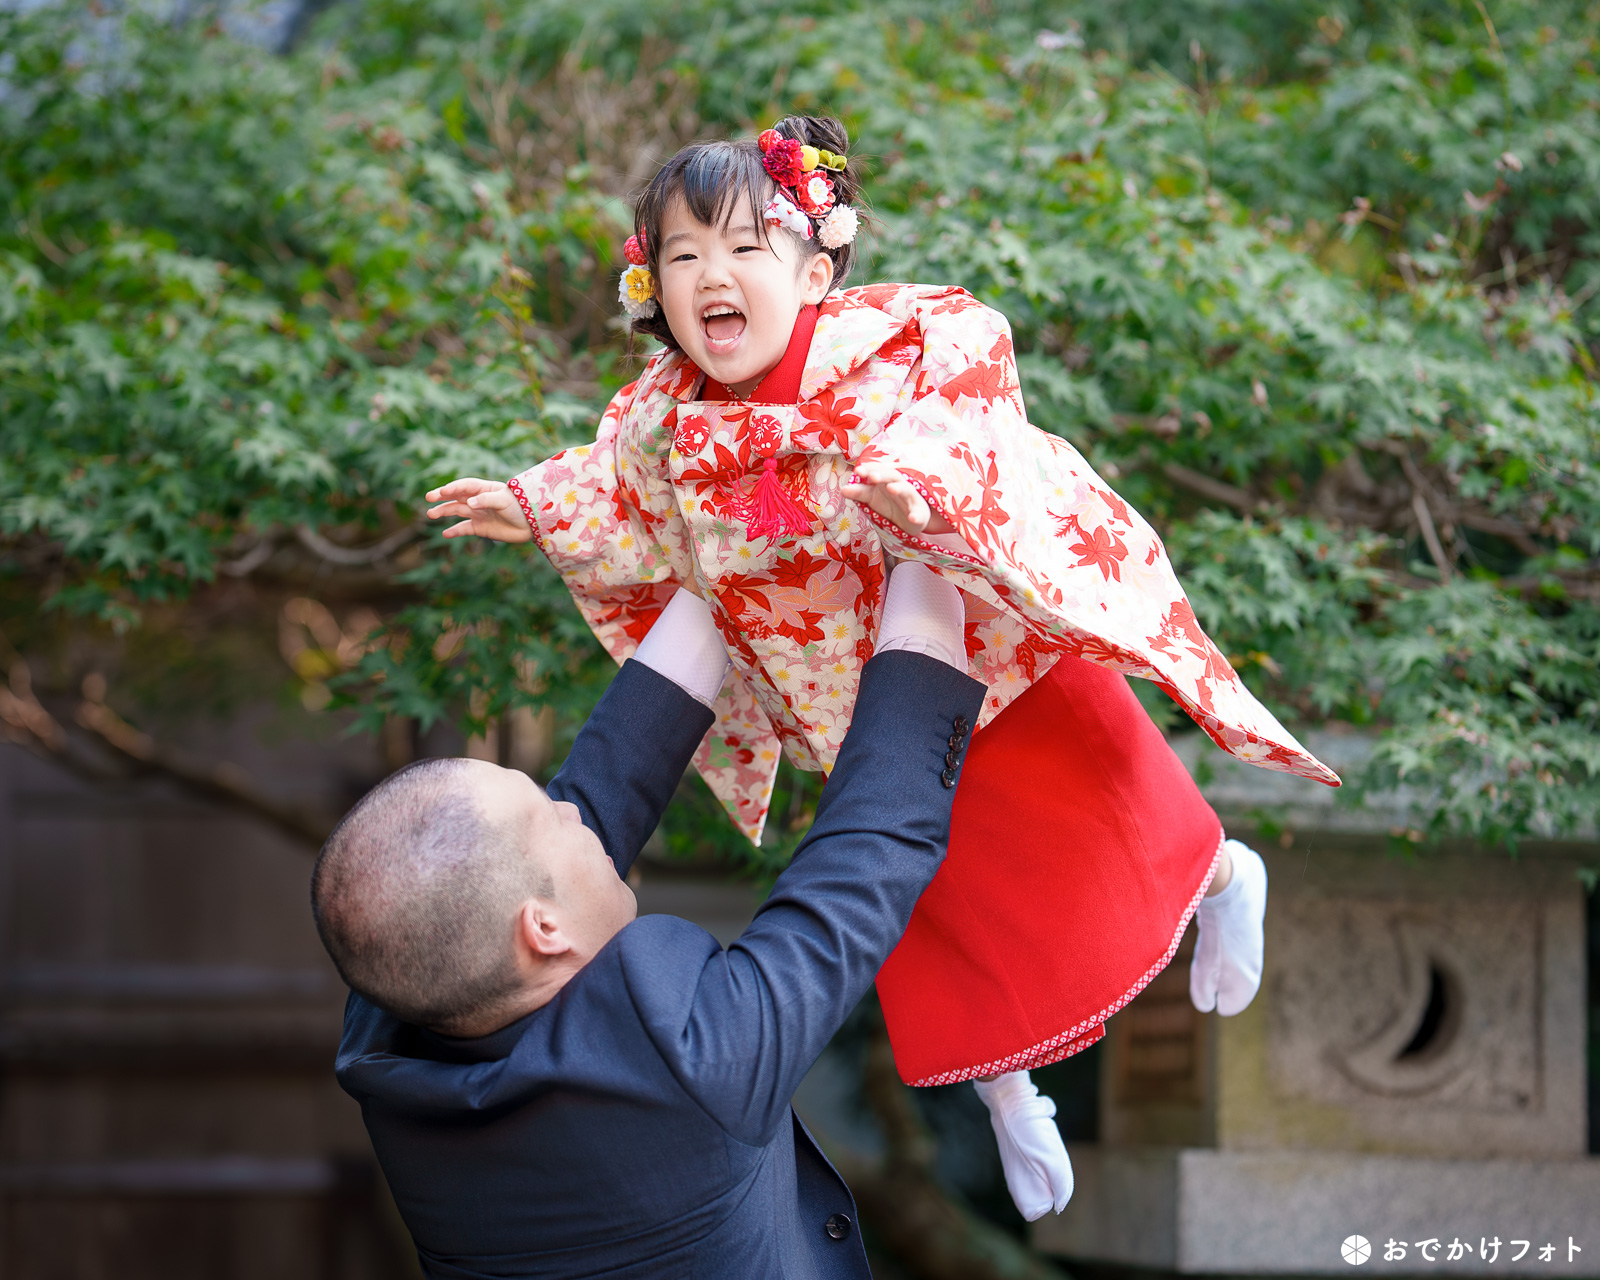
column 789, row 437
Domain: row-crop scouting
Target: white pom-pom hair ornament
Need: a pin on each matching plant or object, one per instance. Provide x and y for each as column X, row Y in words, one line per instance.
column 838, row 228
column 637, row 292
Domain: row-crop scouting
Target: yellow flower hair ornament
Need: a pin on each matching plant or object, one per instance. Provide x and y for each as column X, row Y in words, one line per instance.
column 637, row 289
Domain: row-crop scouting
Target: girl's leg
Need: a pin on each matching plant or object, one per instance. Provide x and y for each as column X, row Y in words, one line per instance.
column 1226, row 971
column 1038, row 1173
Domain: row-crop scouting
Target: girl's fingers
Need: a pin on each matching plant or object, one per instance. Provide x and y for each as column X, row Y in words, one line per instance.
column 465, row 487
column 892, row 496
column 877, row 473
column 463, row 530
column 448, row 509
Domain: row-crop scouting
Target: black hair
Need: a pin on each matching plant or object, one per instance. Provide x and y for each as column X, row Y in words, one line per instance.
column 714, row 179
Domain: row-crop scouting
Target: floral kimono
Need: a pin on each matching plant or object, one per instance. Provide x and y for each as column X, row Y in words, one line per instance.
column 745, row 497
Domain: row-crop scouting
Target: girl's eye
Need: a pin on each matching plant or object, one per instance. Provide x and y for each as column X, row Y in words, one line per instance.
column 684, row 257
column 748, row 248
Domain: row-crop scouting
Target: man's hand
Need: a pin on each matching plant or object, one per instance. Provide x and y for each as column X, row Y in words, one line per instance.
column 892, row 496
column 486, row 508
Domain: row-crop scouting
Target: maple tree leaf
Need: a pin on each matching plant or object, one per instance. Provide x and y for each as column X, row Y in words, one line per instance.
column 905, row 348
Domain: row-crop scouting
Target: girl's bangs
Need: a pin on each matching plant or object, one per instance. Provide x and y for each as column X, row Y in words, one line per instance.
column 716, row 180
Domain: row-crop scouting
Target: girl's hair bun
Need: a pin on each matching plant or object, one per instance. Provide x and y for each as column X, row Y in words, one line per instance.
column 714, row 179
column 827, row 134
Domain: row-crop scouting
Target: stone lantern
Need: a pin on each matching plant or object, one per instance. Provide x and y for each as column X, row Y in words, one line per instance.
column 1412, row 1073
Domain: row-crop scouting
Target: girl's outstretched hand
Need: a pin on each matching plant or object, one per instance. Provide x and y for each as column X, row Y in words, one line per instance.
column 892, row 496
column 486, row 509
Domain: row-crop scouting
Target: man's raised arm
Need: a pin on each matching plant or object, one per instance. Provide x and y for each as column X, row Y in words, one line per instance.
column 741, row 1037
column 631, row 753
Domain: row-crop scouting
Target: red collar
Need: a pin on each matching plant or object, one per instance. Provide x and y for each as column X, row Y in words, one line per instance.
column 782, row 384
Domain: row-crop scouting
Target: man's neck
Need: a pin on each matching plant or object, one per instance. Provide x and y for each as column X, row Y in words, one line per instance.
column 541, row 985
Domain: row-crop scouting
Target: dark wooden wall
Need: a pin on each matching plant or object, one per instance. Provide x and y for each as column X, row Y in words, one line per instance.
column 168, row 1022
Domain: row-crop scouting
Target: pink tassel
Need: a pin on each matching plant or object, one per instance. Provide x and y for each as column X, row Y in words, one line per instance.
column 770, row 512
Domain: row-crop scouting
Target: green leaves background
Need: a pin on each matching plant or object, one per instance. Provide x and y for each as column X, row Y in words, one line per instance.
column 1314, row 286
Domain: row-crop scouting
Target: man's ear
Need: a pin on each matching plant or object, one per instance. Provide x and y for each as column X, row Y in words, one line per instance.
column 817, row 279
column 539, row 929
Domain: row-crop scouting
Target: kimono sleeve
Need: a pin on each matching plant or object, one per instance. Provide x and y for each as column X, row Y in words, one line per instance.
column 1059, row 562
column 607, row 530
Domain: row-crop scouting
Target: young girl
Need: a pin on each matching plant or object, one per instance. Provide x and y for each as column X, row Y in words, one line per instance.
column 786, row 440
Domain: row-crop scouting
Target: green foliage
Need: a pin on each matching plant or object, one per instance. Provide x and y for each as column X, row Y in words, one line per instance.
column 1312, row 288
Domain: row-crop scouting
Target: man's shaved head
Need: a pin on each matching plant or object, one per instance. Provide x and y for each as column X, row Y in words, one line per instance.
column 417, row 893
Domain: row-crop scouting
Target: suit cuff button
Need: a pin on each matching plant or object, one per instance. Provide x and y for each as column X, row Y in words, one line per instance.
column 837, row 1226
column 948, row 777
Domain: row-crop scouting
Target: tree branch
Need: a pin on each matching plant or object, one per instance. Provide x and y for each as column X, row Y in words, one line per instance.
column 1430, row 535
column 223, row 782
column 1510, row 530
column 355, row 556
column 1217, row 490
column 31, row 725
column 252, row 559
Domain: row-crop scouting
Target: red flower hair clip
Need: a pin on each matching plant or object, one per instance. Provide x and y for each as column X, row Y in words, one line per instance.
column 799, row 170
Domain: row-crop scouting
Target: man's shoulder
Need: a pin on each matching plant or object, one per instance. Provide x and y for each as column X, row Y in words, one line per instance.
column 662, row 944
column 662, row 959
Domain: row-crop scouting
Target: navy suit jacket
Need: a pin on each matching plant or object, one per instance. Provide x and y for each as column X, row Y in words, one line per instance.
column 639, row 1124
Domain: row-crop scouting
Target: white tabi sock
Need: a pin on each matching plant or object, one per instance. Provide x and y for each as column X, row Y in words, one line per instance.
column 1038, row 1172
column 1226, row 971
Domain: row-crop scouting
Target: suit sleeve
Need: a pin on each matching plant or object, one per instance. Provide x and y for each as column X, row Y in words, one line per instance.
column 629, row 757
column 742, row 1032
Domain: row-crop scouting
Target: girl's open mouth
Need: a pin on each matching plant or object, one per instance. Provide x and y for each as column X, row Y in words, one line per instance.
column 723, row 327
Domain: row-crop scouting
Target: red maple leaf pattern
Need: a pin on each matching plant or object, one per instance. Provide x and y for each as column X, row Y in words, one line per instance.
column 924, row 378
column 829, row 419
column 1103, row 549
column 981, row 382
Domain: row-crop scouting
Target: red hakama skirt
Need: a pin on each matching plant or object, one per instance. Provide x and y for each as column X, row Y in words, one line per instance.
column 1079, row 848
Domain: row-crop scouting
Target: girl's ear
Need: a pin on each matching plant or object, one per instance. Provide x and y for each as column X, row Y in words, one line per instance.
column 817, row 279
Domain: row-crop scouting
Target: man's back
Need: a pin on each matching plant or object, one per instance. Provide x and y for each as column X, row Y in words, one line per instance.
column 640, row 1123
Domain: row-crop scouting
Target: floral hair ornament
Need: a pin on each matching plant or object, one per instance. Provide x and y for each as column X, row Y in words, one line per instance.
column 637, row 289
column 783, row 212
column 839, row 227
column 806, row 191
column 785, row 155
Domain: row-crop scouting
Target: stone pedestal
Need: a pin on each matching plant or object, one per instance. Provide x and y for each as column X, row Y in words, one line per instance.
column 1413, row 1067
column 1290, row 1212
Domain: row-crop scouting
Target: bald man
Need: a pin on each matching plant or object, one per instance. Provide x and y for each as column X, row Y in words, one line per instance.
column 555, row 1088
